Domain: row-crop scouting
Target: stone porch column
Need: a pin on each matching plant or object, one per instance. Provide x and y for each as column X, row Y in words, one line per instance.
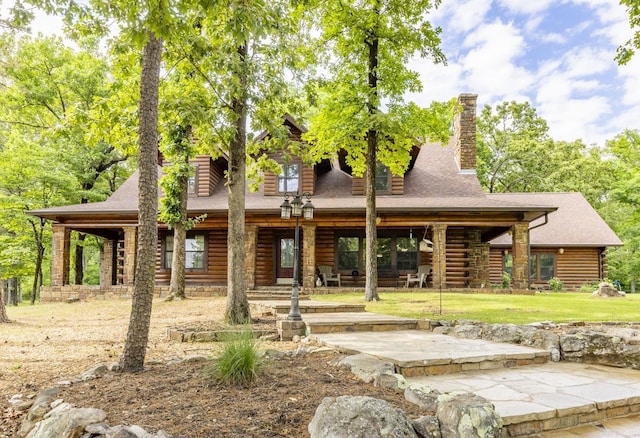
column 308, row 255
column 130, row 251
column 479, row 261
column 520, row 251
column 250, row 248
column 107, row 268
column 439, row 256
column 60, row 255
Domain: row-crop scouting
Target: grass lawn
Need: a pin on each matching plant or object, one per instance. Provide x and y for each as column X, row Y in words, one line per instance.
column 495, row 308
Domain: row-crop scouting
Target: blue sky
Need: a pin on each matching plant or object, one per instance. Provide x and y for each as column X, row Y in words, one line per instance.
column 558, row 55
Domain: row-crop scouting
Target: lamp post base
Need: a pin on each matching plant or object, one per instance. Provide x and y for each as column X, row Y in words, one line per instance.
column 294, row 310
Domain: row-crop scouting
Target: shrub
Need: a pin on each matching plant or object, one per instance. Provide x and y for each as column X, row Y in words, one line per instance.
column 555, row 284
column 506, row 280
column 240, row 361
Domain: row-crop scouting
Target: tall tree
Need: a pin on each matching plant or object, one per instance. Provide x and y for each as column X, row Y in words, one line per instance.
column 512, row 141
column 173, row 205
column 624, row 204
column 138, row 334
column 370, row 44
column 52, row 90
column 4, row 318
column 252, row 42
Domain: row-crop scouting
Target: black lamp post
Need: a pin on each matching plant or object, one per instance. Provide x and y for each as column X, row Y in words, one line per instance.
column 296, row 209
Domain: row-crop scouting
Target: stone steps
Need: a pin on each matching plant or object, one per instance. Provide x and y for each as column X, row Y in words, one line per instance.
column 349, row 322
column 281, row 307
column 422, row 353
column 539, row 399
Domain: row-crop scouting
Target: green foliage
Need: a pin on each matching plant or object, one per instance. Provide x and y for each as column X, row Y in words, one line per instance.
column 556, row 285
column 506, row 280
column 347, row 105
column 628, row 50
column 239, row 362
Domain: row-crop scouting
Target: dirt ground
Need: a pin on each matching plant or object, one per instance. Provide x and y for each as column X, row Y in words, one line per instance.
column 47, row 344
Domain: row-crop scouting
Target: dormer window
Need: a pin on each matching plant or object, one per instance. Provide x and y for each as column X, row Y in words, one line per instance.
column 192, row 182
column 289, row 179
column 383, row 178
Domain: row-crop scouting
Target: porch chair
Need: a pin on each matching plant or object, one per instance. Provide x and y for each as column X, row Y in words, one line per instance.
column 327, row 275
column 420, row 277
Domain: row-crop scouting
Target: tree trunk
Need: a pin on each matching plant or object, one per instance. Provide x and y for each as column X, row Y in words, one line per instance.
column 177, row 285
column 37, row 276
column 237, row 311
column 371, row 259
column 3, row 311
column 79, row 264
column 138, row 333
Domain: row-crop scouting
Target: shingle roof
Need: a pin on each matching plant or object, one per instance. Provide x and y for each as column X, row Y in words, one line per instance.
column 434, row 184
column 575, row 223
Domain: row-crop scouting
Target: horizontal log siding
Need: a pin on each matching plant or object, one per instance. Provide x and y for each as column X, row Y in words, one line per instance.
column 458, row 252
column 307, row 175
column 216, row 261
column 397, row 185
column 578, row 266
column 265, row 263
column 203, row 175
column 575, row 267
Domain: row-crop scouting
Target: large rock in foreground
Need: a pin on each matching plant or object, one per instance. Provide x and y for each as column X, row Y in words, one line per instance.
column 359, row 417
column 467, row 415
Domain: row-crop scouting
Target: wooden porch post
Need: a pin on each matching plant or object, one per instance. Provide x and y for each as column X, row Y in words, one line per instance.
column 479, row 262
column 520, row 251
column 60, row 255
column 107, row 268
column 308, row 255
column 250, row 248
column 130, row 251
column 439, row 256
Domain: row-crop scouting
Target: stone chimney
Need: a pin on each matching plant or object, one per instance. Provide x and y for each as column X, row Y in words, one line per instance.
column 464, row 125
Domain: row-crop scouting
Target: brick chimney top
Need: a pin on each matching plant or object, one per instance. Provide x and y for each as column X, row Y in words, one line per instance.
column 465, row 133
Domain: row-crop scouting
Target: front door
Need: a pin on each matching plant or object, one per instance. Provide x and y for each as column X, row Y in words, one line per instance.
column 284, row 260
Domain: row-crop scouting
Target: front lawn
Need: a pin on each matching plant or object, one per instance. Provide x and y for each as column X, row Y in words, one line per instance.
column 497, row 308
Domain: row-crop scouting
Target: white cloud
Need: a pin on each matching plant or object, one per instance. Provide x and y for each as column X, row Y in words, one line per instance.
column 527, row 7
column 460, row 16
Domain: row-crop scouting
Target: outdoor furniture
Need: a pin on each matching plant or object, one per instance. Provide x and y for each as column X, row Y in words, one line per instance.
column 420, row 277
column 326, row 272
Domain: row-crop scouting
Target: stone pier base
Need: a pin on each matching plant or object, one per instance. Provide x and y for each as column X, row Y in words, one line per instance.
column 288, row 329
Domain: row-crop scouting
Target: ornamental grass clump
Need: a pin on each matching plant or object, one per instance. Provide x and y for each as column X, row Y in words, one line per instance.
column 240, row 361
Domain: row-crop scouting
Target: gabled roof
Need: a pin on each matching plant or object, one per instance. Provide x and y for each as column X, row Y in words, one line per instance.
column 435, row 184
column 575, row 223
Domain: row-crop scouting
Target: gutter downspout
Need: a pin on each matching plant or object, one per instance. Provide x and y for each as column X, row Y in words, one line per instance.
column 546, row 221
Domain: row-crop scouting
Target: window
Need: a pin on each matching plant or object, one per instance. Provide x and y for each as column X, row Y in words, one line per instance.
column 349, row 253
column 382, row 178
column 192, row 182
column 407, row 250
column 289, row 179
column 542, row 266
column 195, row 251
column 395, row 252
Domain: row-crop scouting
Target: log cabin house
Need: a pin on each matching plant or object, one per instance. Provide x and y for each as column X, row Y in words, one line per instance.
column 436, row 213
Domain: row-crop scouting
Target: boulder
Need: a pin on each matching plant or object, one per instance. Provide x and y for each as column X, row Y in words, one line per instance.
column 467, row 415
column 606, row 289
column 423, row 396
column 41, row 405
column 68, row 423
column 359, row 417
column 366, row 367
column 427, row 427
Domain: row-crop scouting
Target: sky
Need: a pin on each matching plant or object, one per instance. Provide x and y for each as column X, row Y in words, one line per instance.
column 558, row 55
